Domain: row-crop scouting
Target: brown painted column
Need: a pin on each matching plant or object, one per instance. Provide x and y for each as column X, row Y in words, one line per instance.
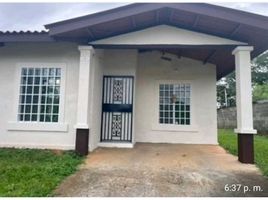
column 245, row 148
column 244, row 128
column 83, row 108
column 81, row 141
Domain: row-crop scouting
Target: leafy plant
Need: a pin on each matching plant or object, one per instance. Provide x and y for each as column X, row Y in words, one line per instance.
column 34, row 173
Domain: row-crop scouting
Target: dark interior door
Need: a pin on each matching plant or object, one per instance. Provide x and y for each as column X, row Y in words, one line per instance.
column 117, row 107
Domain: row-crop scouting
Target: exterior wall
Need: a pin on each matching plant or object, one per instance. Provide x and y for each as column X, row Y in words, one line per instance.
column 227, row 117
column 12, row 54
column 173, row 36
column 147, row 69
column 122, row 63
column 152, row 69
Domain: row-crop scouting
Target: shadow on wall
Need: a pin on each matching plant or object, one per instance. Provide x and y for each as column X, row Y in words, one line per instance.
column 227, row 117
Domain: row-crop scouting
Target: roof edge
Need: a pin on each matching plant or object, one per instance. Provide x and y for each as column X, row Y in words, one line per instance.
column 23, row 32
column 25, row 36
column 50, row 25
column 158, row 6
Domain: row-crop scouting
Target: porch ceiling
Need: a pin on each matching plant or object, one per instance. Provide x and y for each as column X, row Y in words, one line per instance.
column 207, row 54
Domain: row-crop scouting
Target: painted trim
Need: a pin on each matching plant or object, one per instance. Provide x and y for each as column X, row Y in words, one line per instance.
column 81, row 126
column 115, row 145
column 245, row 131
column 60, row 126
column 41, row 65
column 85, row 48
column 174, row 128
column 36, row 126
column 242, row 48
column 156, row 126
column 162, row 46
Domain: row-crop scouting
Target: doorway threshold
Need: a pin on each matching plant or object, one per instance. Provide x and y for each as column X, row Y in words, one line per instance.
column 116, row 144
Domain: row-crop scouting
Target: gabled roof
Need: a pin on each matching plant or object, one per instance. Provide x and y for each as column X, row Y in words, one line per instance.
column 198, row 17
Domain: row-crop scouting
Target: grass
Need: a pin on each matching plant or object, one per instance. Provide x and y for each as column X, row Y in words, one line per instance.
column 34, row 173
column 228, row 140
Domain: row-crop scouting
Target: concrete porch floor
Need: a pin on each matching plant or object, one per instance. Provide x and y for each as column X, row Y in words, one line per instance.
column 163, row 170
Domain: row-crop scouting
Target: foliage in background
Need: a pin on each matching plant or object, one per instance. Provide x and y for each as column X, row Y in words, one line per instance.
column 34, row 173
column 229, row 88
column 260, row 92
column 228, row 140
column 259, row 71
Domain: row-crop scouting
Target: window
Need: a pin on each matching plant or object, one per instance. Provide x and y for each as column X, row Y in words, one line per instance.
column 174, row 104
column 39, row 97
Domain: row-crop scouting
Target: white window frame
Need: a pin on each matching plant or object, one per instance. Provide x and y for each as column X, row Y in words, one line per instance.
column 174, row 127
column 16, row 125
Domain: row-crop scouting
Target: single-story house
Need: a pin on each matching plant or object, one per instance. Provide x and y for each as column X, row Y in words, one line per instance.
column 144, row 72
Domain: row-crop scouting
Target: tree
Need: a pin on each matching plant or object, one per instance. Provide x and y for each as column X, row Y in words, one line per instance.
column 259, row 71
column 226, row 91
column 260, row 92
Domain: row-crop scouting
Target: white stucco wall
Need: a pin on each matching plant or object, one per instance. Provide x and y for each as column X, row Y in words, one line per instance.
column 150, row 71
column 12, row 54
column 147, row 69
column 122, row 63
column 163, row 35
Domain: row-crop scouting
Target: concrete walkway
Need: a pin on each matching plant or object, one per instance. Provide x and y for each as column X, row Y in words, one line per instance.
column 164, row 170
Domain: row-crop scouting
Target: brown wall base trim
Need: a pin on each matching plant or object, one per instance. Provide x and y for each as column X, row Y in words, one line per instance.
column 81, row 141
column 246, row 148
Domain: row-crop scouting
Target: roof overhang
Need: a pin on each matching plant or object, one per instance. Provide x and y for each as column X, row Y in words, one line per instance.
column 197, row 17
column 214, row 21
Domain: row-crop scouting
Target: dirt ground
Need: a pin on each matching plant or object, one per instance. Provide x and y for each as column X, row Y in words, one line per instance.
column 164, row 170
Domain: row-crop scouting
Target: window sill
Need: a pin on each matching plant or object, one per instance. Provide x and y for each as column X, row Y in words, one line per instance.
column 175, row 128
column 42, row 127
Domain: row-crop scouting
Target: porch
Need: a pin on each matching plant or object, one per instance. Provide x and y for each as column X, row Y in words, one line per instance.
column 154, row 95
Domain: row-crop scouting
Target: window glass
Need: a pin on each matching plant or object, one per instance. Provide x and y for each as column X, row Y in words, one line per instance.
column 174, row 104
column 39, row 96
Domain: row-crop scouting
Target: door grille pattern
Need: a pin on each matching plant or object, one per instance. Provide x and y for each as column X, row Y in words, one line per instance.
column 117, row 109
